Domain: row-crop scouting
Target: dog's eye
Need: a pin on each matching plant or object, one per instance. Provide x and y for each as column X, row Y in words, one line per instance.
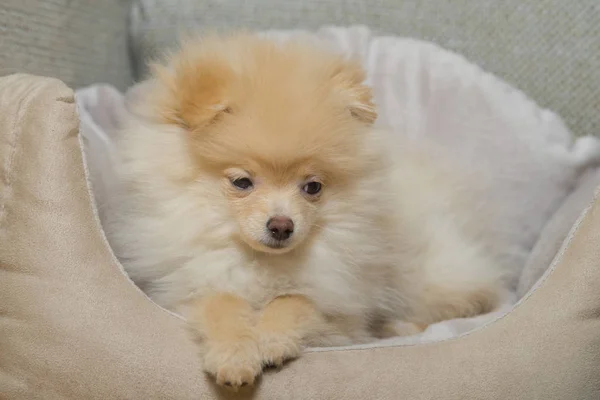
column 242, row 183
column 312, row 188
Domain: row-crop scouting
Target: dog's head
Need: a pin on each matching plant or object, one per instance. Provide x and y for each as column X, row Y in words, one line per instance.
column 281, row 127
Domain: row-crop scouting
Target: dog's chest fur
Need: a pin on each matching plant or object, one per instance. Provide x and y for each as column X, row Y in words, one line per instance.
column 334, row 282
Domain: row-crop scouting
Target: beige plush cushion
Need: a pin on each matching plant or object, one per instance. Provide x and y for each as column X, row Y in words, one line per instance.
column 81, row 42
column 72, row 326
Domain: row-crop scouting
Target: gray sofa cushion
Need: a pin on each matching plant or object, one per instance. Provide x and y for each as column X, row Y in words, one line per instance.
column 547, row 48
column 80, row 42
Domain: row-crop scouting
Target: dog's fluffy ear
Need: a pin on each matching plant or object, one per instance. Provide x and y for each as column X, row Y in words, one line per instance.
column 192, row 90
column 349, row 76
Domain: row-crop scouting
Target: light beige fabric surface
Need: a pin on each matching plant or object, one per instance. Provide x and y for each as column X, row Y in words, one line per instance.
column 81, row 42
column 73, row 327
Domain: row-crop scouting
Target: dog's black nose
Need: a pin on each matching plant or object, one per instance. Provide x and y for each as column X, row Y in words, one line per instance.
column 281, row 228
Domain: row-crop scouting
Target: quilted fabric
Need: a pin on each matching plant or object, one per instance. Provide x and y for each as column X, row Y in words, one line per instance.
column 547, row 48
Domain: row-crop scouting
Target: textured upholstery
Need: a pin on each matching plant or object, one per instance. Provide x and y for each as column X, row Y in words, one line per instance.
column 548, row 48
column 80, row 42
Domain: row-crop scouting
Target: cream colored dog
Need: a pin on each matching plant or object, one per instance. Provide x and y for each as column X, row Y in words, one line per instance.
column 259, row 202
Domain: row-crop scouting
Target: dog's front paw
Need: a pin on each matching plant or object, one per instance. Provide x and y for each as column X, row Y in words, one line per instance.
column 276, row 348
column 233, row 363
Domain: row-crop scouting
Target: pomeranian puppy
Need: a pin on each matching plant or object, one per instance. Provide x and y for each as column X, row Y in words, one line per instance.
column 259, row 202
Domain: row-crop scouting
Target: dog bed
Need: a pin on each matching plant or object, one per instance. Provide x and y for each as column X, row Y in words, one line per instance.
column 72, row 325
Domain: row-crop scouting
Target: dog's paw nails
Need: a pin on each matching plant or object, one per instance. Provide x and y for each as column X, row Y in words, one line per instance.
column 275, row 349
column 236, row 376
column 234, row 365
column 268, row 364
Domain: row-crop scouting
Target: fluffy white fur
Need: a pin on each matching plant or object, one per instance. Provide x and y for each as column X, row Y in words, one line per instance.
column 398, row 242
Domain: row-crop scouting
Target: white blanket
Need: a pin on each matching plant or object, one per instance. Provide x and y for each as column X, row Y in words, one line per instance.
column 525, row 158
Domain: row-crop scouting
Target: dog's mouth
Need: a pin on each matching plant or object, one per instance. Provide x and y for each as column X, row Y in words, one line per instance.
column 269, row 245
column 276, row 246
